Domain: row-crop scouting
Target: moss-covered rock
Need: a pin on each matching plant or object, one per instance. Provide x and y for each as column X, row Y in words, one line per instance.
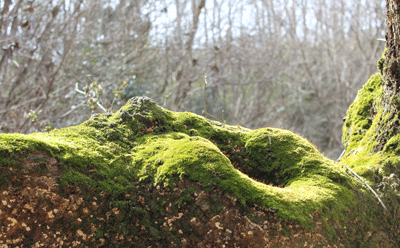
column 146, row 175
column 372, row 141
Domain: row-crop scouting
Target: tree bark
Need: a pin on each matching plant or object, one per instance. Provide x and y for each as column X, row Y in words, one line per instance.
column 390, row 126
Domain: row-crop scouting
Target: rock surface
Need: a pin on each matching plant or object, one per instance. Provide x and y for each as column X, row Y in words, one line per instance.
column 145, row 176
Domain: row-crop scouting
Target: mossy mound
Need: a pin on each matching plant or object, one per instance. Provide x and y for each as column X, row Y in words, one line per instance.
column 145, row 147
column 142, row 141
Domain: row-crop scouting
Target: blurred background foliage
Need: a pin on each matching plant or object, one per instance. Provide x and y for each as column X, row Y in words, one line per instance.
column 295, row 64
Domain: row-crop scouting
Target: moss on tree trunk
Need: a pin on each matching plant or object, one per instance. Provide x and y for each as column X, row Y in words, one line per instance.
column 389, row 125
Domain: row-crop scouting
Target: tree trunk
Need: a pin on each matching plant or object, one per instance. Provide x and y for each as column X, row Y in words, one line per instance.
column 391, row 72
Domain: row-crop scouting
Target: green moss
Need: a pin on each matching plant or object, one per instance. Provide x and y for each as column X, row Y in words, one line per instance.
column 372, row 142
column 144, row 142
column 185, row 198
column 381, row 62
column 359, row 130
column 99, row 233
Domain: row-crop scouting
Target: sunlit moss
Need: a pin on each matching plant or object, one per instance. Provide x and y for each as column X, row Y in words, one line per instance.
column 366, row 120
column 270, row 167
column 360, row 133
column 359, row 130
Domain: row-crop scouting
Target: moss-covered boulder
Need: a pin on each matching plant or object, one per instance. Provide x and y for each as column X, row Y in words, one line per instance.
column 372, row 150
column 147, row 176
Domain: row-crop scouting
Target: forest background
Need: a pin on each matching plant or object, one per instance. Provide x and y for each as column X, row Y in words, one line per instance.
column 295, row 64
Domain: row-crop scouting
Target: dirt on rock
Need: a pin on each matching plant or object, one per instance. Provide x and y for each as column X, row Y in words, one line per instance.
column 36, row 212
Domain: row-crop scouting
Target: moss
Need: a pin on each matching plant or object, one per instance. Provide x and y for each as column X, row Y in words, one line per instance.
column 185, row 197
column 381, row 62
column 143, row 142
column 372, row 141
column 359, row 130
column 363, row 130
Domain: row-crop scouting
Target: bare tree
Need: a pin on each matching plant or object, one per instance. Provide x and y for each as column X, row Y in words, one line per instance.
column 36, row 38
column 294, row 64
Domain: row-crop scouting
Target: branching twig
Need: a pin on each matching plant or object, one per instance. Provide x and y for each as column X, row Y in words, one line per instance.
column 83, row 93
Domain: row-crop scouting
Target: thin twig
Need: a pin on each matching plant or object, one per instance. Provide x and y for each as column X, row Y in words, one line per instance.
column 223, row 119
column 73, row 109
column 204, row 96
column 373, row 191
column 341, row 155
column 369, row 187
